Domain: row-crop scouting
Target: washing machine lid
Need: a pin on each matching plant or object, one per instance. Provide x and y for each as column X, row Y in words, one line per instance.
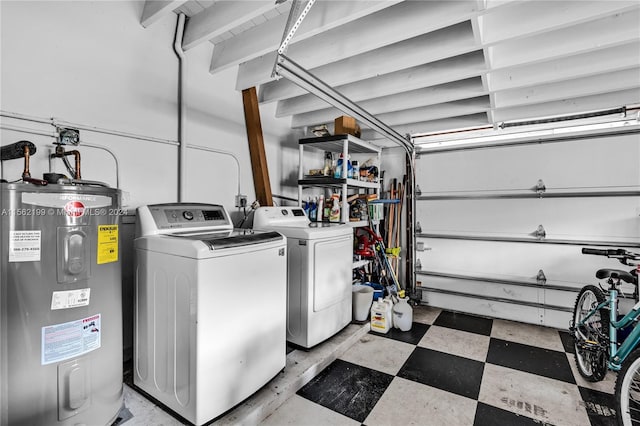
column 209, row 244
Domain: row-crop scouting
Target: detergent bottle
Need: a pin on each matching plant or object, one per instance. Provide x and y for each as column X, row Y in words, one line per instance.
column 380, row 316
column 403, row 314
column 334, row 212
column 338, row 171
column 313, row 210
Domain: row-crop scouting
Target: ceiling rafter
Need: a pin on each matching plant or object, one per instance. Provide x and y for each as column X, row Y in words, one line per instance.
column 394, row 24
column 266, row 38
column 450, row 41
column 430, row 65
column 448, row 92
column 154, row 10
column 426, row 75
column 221, row 17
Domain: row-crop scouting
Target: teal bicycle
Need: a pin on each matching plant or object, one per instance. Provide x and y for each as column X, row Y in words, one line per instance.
column 601, row 340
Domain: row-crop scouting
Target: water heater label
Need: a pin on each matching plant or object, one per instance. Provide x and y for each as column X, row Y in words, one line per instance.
column 70, row 339
column 70, row 299
column 107, row 244
column 24, row 246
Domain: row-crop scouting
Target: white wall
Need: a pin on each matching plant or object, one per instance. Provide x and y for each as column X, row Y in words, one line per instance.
column 92, row 63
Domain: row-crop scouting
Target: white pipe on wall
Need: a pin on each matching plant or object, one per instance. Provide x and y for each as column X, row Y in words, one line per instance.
column 219, row 151
column 61, row 123
column 182, row 150
column 54, row 135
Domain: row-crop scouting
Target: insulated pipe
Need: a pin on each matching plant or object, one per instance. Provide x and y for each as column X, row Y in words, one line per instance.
column 182, row 146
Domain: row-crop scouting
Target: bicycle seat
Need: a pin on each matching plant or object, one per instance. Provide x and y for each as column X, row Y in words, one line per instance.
column 615, row 274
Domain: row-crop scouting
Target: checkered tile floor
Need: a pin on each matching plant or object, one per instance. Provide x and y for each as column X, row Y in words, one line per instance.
column 453, row 369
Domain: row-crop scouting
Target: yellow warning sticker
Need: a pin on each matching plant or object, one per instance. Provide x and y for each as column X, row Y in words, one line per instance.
column 107, row 244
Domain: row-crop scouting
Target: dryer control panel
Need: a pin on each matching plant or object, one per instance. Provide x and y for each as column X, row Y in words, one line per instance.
column 283, row 216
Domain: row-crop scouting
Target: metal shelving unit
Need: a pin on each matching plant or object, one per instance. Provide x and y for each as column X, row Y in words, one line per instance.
column 345, row 145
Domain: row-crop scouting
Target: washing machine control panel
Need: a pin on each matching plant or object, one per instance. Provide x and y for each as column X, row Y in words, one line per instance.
column 185, row 216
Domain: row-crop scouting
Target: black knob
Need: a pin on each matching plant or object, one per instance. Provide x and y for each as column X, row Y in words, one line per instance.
column 187, row 215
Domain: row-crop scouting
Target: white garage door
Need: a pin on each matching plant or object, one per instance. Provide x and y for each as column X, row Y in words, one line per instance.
column 501, row 228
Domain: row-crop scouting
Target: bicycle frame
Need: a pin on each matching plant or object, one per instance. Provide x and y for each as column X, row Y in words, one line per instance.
column 618, row 355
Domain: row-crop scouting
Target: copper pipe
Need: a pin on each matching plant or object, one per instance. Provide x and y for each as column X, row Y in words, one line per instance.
column 76, row 155
column 60, row 152
column 26, row 173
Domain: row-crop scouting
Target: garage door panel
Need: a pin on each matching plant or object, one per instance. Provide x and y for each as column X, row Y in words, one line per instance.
column 602, row 219
column 557, row 319
column 479, row 221
column 562, row 264
column 527, row 294
column 583, row 163
column 486, row 308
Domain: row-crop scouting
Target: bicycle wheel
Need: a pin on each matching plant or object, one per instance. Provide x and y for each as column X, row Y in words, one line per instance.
column 592, row 337
column 628, row 390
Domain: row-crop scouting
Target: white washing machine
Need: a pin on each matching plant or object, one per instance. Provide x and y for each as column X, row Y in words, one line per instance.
column 320, row 271
column 210, row 313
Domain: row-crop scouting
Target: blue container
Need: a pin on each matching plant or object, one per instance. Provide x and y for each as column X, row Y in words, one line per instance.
column 378, row 290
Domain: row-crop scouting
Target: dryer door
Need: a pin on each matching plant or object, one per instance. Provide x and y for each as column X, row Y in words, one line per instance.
column 332, row 269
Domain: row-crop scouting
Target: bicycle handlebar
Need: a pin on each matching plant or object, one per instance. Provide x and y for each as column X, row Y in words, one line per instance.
column 621, row 254
column 600, row 252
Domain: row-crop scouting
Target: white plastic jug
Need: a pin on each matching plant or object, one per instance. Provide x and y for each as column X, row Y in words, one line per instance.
column 362, row 296
column 403, row 314
column 381, row 316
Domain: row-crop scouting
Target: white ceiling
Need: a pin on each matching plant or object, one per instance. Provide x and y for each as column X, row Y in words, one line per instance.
column 429, row 65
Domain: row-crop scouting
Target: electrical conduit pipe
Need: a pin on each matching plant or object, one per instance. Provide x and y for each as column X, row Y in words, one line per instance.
column 182, row 146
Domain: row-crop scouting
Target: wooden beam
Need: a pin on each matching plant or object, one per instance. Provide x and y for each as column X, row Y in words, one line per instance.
column 506, row 23
column 462, row 89
column 568, row 106
column 395, row 24
column 223, row 16
column 472, row 120
column 575, row 88
column 434, row 73
column 156, row 9
column 445, row 43
column 585, row 37
column 590, row 63
column 256, row 147
column 265, row 38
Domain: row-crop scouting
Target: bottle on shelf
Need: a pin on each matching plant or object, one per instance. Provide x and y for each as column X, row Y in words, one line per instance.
column 313, row 210
column 306, row 206
column 334, row 212
column 327, row 170
column 320, row 208
column 338, row 172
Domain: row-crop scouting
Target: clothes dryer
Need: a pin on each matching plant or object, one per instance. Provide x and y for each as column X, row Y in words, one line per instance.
column 319, row 273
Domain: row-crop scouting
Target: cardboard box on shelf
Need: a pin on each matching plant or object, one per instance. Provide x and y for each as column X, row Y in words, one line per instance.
column 346, row 125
